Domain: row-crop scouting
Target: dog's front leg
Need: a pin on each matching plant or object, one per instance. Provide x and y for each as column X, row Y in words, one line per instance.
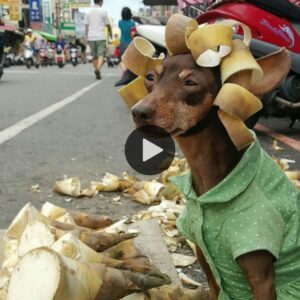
column 258, row 269
column 214, row 289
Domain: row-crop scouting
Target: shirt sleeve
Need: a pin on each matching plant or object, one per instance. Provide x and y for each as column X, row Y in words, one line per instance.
column 260, row 227
column 106, row 19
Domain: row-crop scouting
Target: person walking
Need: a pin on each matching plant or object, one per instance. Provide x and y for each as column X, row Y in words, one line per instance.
column 127, row 27
column 95, row 22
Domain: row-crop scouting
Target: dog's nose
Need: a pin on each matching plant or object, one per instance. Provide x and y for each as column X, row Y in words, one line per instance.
column 142, row 113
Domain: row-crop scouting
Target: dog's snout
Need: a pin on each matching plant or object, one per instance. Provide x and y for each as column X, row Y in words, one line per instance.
column 142, row 113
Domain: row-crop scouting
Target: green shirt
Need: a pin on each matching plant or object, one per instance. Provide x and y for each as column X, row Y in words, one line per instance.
column 255, row 207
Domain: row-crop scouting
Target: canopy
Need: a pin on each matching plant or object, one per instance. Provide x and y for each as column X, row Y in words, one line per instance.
column 47, row 36
column 160, row 2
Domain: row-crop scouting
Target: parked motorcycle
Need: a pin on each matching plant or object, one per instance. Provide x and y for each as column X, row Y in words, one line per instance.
column 74, row 56
column 60, row 57
column 274, row 24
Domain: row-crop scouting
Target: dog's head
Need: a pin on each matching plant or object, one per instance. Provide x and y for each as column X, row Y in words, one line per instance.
column 181, row 93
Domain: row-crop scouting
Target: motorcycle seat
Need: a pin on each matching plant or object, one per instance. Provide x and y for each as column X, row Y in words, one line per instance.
column 281, row 8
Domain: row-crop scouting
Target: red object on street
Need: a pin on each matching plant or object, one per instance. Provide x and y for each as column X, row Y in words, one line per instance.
column 117, row 52
column 264, row 25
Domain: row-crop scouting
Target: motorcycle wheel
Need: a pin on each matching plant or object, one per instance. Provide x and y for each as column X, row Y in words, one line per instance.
column 60, row 66
column 28, row 64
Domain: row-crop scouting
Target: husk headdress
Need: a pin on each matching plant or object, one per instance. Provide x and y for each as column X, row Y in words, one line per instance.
column 211, row 46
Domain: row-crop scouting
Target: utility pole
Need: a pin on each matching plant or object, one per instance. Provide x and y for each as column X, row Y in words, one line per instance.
column 58, row 12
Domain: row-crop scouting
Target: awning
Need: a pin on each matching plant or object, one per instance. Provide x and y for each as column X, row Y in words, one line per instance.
column 47, row 36
column 160, row 2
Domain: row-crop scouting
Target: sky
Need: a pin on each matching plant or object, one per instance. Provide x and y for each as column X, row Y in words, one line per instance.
column 114, row 7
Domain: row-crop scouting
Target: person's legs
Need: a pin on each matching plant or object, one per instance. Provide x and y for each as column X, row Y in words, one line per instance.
column 101, row 53
column 95, row 53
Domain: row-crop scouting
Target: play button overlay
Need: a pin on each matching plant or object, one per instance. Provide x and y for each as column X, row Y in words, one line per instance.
column 149, row 150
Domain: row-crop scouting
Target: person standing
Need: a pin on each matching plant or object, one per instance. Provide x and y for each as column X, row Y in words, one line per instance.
column 95, row 22
column 127, row 27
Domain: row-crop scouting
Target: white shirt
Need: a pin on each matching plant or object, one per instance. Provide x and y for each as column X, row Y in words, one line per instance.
column 97, row 19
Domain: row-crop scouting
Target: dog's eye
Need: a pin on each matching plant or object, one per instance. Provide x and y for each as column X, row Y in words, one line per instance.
column 150, row 77
column 190, row 82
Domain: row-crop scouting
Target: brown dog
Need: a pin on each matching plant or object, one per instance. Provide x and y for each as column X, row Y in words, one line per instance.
column 180, row 95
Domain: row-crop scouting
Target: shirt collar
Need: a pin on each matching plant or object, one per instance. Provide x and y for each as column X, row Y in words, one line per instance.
column 231, row 186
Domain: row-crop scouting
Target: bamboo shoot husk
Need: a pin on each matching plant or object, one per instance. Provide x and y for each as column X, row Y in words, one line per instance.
column 237, row 130
column 72, row 247
column 16, row 228
column 66, row 218
column 133, row 92
column 293, row 175
column 240, row 59
column 138, row 57
column 178, row 28
column 69, row 187
column 123, row 250
column 237, row 101
column 181, row 260
column 44, row 274
column 81, row 219
column 119, row 283
column 35, row 235
column 100, row 241
column 246, row 30
column 210, row 43
column 172, row 292
column 4, row 280
column 188, row 281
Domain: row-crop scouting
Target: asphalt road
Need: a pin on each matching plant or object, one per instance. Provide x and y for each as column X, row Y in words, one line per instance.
column 83, row 138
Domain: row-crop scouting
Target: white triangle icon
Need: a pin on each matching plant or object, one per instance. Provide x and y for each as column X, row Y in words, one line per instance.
column 150, row 150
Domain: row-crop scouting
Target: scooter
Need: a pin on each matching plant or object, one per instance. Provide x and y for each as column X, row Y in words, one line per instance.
column 274, row 24
column 43, row 57
column 51, row 56
column 74, row 56
column 60, row 57
column 29, row 57
column 9, row 57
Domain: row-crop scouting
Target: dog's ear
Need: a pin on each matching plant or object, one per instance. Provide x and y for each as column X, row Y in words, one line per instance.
column 275, row 67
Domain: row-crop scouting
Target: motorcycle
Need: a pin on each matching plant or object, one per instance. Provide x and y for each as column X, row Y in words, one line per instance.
column 9, row 57
column 29, row 56
column 274, row 24
column 74, row 56
column 51, row 56
column 43, row 57
column 60, row 57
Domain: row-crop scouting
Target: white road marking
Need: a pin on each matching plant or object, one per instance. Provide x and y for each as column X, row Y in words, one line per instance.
column 18, row 127
column 21, row 72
